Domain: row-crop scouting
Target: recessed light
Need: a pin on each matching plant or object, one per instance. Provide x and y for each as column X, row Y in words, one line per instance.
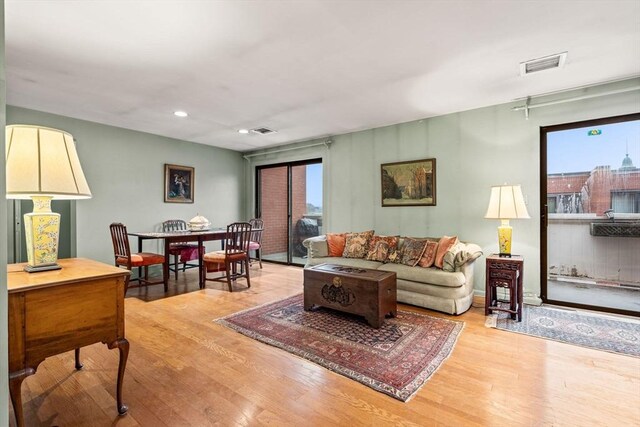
column 180, row 113
column 243, row 131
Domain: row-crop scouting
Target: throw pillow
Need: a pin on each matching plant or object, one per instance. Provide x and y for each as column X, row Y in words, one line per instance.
column 455, row 256
column 336, row 242
column 357, row 244
column 380, row 247
column 445, row 243
column 429, row 255
column 412, row 251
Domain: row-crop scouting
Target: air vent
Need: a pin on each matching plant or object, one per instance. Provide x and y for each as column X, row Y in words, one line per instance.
column 541, row 64
column 263, row 131
column 621, row 229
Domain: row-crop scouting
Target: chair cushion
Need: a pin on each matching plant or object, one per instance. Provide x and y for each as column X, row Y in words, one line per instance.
column 217, row 256
column 190, row 253
column 220, row 256
column 142, row 259
column 254, row 246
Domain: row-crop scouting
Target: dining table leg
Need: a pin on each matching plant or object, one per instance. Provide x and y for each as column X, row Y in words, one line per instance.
column 201, row 272
column 139, row 250
column 165, row 265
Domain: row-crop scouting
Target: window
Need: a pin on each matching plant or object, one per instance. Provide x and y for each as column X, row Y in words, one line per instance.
column 625, row 201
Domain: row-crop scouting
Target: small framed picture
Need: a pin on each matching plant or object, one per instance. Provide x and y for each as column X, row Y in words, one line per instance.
column 179, row 184
column 410, row 183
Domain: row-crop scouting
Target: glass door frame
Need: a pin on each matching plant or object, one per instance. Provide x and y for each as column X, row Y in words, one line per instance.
column 544, row 214
column 258, row 200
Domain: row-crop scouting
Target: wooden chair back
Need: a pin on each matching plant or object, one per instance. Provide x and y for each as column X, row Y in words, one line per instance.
column 237, row 239
column 120, row 240
column 172, row 225
column 257, row 225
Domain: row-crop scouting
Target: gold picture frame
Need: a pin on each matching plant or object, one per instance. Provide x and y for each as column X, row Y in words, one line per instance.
column 179, row 184
column 411, row 183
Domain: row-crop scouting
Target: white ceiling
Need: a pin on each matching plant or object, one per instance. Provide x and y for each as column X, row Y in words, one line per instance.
column 304, row 68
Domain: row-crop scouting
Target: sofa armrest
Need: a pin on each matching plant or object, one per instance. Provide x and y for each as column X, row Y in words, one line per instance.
column 316, row 247
column 459, row 255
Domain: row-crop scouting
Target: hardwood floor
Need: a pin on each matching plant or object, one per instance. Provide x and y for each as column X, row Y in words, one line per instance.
column 184, row 370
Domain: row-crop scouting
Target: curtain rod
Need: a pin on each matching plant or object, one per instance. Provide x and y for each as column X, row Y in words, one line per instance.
column 528, row 106
column 326, row 143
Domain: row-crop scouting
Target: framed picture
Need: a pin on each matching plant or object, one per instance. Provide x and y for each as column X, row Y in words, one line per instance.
column 179, row 184
column 410, row 183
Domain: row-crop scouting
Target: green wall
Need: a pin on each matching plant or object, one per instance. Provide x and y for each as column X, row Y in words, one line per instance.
column 4, row 367
column 473, row 150
column 125, row 171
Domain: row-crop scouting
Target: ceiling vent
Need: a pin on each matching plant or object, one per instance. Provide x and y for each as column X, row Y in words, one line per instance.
column 541, row 64
column 263, row 131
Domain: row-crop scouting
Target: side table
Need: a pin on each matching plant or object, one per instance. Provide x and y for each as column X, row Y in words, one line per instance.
column 504, row 272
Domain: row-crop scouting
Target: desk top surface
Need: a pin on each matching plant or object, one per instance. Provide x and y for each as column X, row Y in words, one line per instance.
column 74, row 270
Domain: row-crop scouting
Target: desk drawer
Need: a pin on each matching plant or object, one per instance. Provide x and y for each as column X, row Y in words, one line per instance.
column 59, row 319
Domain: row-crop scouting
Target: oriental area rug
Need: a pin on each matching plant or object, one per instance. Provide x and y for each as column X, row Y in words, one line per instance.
column 396, row 359
column 601, row 332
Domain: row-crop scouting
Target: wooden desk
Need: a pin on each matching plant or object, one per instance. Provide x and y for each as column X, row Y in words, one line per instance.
column 186, row 236
column 52, row 312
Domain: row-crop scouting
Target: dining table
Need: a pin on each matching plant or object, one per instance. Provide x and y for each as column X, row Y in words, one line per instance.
column 199, row 236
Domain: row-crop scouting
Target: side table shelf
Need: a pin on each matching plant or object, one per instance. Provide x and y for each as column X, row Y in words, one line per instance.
column 504, row 272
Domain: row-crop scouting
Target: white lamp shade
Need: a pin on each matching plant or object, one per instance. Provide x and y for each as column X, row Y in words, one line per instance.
column 43, row 161
column 506, row 202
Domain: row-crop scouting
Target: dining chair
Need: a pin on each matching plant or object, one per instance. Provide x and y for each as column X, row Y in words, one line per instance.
column 124, row 257
column 181, row 251
column 255, row 242
column 235, row 252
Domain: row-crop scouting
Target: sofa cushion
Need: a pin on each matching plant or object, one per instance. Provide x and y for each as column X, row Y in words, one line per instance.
column 429, row 255
column 445, row 243
column 380, row 246
column 356, row 244
column 432, row 276
column 412, row 251
column 335, row 243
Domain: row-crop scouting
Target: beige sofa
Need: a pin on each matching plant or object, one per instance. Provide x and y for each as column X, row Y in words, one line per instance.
column 447, row 291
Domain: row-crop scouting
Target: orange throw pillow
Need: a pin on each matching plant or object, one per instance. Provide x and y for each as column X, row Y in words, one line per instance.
column 336, row 242
column 429, row 255
column 445, row 243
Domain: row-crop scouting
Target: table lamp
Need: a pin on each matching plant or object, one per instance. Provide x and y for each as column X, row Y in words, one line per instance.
column 42, row 164
column 506, row 203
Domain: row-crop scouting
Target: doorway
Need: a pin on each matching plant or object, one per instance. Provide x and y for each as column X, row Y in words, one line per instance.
column 289, row 201
column 590, row 225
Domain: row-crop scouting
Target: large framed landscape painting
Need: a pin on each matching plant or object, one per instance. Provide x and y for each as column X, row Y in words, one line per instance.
column 179, row 184
column 411, row 183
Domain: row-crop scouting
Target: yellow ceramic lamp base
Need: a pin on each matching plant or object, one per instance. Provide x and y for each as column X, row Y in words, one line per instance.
column 42, row 228
column 504, row 238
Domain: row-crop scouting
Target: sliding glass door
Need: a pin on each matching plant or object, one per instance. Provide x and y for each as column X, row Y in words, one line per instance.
column 591, row 214
column 289, row 201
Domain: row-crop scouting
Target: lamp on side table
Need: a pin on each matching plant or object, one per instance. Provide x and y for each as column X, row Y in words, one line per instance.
column 42, row 164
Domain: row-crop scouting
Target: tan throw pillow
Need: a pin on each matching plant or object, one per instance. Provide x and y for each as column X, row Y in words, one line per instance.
column 336, row 242
column 380, row 247
column 357, row 244
column 412, row 251
column 453, row 257
column 429, row 255
column 444, row 245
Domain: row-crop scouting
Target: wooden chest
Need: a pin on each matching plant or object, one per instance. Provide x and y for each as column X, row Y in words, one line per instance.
column 361, row 291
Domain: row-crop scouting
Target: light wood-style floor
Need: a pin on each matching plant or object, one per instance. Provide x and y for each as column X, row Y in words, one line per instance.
column 185, row 370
